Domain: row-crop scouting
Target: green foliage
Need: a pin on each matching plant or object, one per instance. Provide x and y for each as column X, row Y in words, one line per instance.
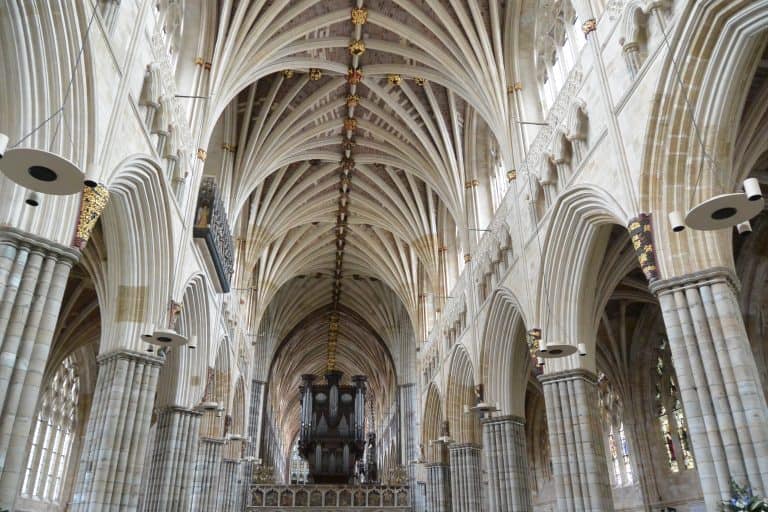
column 743, row 499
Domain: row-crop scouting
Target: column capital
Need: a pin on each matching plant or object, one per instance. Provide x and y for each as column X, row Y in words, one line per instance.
column 464, row 446
column 181, row 410
column 132, row 355
column 695, row 279
column 213, row 440
column 509, row 418
column 10, row 235
column 574, row 374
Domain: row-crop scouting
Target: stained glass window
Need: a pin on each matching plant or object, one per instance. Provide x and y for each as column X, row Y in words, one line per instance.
column 618, row 450
column 669, row 409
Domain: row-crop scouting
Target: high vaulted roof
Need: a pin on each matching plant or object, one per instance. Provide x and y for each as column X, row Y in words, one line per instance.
column 353, row 134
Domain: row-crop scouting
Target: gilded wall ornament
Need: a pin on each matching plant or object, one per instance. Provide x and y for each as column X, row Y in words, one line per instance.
column 394, row 79
column 354, row 76
column 315, row 74
column 534, row 340
column 287, row 73
column 348, row 163
column 641, row 233
column 420, row 81
column 359, row 16
column 91, row 207
column 356, row 47
column 350, row 124
column 353, row 100
column 589, row 26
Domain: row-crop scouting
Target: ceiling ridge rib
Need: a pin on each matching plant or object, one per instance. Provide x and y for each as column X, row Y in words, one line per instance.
column 358, row 17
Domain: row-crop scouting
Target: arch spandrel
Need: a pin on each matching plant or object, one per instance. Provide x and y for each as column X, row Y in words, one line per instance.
column 670, row 183
column 505, row 362
column 573, row 248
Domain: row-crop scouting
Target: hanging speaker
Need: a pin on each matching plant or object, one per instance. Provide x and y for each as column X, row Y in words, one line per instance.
column 42, row 171
column 165, row 338
column 555, row 351
column 723, row 211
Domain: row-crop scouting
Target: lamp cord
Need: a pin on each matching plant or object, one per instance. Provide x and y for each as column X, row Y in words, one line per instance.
column 68, row 89
column 688, row 105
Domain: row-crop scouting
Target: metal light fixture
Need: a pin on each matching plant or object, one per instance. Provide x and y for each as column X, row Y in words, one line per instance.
column 42, row 171
column 33, row 199
column 555, row 351
column 723, row 211
column 744, row 228
column 165, row 338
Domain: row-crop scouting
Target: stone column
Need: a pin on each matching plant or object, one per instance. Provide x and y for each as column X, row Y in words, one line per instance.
column 718, row 381
column 229, row 486
column 578, row 456
column 409, row 429
column 112, row 460
column 466, row 495
column 507, row 464
column 207, row 473
column 33, row 277
column 254, row 434
column 173, row 461
column 438, row 488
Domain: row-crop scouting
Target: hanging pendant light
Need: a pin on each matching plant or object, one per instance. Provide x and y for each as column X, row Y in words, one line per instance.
column 727, row 210
column 556, row 351
column 40, row 170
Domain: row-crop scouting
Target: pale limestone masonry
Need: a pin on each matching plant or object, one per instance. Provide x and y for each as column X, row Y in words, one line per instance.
column 724, row 401
column 207, row 480
column 498, row 152
column 33, row 277
column 173, row 461
column 230, row 491
column 438, row 487
column 109, row 474
column 576, row 441
column 466, row 495
column 506, row 459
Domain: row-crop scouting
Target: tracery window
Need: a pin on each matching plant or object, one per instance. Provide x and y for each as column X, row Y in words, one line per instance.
column 669, row 410
column 618, row 451
column 557, row 47
column 298, row 467
column 54, row 432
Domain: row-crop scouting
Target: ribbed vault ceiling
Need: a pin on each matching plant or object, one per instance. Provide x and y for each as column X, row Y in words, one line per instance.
column 434, row 89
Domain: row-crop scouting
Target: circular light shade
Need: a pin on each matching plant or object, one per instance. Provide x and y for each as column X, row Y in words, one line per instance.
column 165, row 338
column 723, row 211
column 554, row 351
column 42, row 171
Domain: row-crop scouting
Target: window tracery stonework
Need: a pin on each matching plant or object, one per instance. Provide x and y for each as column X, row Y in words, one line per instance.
column 669, row 411
column 54, row 433
column 618, row 449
